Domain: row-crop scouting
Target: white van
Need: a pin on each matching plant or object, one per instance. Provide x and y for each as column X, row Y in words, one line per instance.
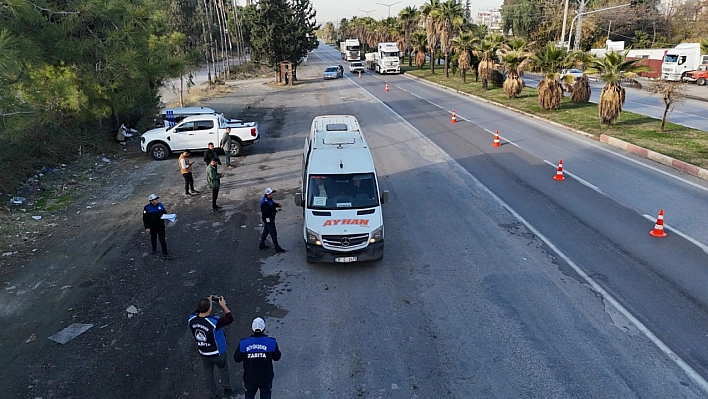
column 340, row 194
column 172, row 116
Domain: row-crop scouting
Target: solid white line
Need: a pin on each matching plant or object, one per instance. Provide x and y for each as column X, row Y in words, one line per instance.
column 581, row 181
column 703, row 247
column 690, row 372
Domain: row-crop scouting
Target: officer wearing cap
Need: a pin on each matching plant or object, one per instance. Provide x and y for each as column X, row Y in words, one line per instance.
column 268, row 211
column 257, row 353
column 154, row 224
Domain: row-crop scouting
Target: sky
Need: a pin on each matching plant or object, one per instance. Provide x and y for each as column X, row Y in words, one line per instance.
column 335, row 10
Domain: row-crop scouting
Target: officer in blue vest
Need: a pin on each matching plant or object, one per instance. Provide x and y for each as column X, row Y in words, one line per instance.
column 208, row 332
column 154, row 224
column 257, row 353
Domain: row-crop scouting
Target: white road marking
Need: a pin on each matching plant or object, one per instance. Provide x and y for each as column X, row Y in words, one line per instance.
column 575, row 177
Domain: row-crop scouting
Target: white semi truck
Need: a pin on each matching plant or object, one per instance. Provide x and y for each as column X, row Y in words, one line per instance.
column 683, row 58
column 387, row 60
column 350, row 50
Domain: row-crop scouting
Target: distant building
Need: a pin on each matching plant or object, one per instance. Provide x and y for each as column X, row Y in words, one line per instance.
column 491, row 18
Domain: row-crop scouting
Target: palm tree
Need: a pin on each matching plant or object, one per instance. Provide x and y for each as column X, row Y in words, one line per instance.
column 463, row 45
column 615, row 68
column 428, row 19
column 549, row 60
column 704, row 46
column 514, row 61
column 579, row 89
column 408, row 18
column 448, row 16
column 486, row 51
column 419, row 43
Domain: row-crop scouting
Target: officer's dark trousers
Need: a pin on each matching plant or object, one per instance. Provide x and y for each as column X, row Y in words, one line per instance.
column 264, row 388
column 158, row 232
column 269, row 228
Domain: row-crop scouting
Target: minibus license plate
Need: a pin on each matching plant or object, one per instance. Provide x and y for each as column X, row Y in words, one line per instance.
column 345, row 259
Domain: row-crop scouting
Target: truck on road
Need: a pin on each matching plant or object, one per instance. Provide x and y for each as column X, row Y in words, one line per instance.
column 350, row 50
column 679, row 60
column 340, row 194
column 387, row 60
column 195, row 133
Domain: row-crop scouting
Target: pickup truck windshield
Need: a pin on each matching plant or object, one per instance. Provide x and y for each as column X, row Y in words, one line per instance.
column 351, row 191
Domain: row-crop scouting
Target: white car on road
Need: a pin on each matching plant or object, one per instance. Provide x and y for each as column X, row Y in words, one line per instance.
column 356, row 67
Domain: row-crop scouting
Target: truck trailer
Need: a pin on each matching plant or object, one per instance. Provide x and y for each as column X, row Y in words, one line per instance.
column 350, row 50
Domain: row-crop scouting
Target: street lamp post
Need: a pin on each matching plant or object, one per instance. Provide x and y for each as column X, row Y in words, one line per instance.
column 576, row 43
column 367, row 12
column 389, row 7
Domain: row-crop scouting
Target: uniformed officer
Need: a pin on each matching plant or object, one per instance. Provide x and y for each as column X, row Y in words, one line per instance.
column 257, row 353
column 154, row 224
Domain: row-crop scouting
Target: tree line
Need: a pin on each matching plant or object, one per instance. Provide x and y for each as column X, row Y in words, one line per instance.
column 440, row 32
column 71, row 72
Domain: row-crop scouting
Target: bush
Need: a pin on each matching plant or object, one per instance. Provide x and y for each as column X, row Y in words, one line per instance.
column 496, row 79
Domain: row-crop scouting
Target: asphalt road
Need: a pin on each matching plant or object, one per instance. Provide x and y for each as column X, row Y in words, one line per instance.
column 595, row 221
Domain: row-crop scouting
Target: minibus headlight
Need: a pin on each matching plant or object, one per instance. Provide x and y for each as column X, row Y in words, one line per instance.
column 313, row 238
column 376, row 235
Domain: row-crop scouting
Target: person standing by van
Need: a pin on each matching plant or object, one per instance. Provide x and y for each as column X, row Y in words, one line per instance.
column 214, row 182
column 268, row 210
column 185, row 166
column 226, row 145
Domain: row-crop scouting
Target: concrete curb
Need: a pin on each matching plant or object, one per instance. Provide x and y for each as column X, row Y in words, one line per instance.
column 634, row 149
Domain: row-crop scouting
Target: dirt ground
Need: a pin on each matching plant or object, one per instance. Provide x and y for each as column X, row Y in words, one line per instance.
column 87, row 260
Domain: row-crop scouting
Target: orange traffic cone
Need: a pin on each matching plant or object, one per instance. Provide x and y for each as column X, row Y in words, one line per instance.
column 454, row 117
column 559, row 172
column 386, row 86
column 359, row 74
column 496, row 139
column 659, row 226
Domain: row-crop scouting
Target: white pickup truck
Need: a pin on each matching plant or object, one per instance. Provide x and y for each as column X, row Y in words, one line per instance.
column 195, row 133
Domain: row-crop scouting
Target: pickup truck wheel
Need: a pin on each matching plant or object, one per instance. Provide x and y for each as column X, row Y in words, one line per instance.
column 235, row 148
column 701, row 81
column 159, row 152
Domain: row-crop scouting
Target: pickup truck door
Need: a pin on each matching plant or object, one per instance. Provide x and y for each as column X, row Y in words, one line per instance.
column 181, row 136
column 205, row 132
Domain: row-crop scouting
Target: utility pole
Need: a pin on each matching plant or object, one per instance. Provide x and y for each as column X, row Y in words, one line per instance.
column 389, row 7
column 565, row 20
column 579, row 28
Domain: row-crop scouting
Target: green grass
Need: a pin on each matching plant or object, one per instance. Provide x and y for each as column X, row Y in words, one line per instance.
column 50, row 202
column 679, row 142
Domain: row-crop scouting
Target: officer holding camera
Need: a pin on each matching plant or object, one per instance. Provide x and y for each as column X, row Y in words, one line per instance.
column 208, row 332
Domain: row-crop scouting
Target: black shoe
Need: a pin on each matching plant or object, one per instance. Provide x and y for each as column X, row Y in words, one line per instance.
column 263, row 246
column 188, row 194
column 196, row 192
column 216, row 207
column 229, row 393
column 165, row 255
column 153, row 252
column 280, row 250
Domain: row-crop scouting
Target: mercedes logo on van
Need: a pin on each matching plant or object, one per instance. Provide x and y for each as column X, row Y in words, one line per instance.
column 346, row 242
